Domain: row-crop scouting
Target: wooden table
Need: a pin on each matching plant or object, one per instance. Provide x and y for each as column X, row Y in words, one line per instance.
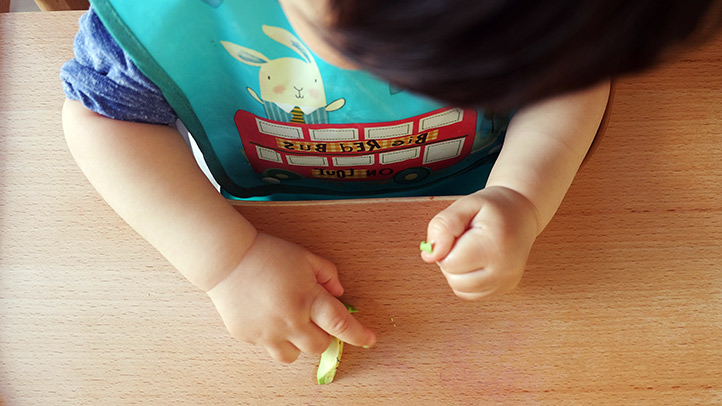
column 621, row 302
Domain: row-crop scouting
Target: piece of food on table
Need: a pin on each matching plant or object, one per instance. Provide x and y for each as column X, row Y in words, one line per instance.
column 331, row 358
column 426, row 246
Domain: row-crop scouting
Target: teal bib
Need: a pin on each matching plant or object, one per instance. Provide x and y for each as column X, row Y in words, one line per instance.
column 270, row 117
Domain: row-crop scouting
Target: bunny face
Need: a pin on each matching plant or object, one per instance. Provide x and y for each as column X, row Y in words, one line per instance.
column 292, row 81
column 286, row 82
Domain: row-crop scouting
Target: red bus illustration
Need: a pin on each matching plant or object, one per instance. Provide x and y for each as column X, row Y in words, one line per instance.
column 405, row 151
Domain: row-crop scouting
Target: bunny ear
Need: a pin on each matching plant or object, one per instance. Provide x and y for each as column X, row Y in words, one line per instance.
column 284, row 37
column 245, row 55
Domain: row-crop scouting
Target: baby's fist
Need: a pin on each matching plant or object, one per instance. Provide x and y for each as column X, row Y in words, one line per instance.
column 482, row 241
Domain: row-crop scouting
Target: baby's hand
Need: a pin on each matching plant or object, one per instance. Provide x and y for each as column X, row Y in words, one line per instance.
column 482, row 241
column 281, row 296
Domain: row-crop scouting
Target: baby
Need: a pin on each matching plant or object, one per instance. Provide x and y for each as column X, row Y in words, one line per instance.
column 546, row 62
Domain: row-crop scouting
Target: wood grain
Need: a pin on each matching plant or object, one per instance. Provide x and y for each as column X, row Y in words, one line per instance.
column 621, row 302
column 62, row 5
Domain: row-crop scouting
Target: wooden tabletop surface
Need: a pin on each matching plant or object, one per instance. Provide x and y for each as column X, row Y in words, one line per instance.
column 621, row 302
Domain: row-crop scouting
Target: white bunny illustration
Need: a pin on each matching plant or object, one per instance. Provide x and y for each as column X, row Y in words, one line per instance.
column 291, row 89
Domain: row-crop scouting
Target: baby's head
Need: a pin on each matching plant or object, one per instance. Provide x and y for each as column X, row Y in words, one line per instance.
column 499, row 53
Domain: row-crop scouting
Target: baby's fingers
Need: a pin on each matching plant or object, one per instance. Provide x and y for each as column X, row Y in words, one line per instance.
column 465, row 267
column 473, row 272
column 326, row 274
column 284, row 352
column 469, row 253
column 332, row 316
column 310, row 339
column 447, row 226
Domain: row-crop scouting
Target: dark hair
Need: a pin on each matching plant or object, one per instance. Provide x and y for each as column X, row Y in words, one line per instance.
column 506, row 53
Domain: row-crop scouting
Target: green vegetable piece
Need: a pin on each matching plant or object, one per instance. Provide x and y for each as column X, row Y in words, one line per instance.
column 331, row 358
column 426, row 246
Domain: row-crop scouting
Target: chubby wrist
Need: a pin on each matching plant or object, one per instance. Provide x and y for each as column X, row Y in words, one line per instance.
column 228, row 256
column 211, row 244
column 517, row 201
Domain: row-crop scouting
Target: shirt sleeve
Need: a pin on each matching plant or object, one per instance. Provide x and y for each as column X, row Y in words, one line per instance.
column 104, row 78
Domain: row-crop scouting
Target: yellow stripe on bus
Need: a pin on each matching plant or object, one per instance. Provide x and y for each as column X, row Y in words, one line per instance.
column 351, row 147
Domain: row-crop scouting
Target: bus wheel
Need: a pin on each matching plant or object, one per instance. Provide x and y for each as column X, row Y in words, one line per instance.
column 276, row 176
column 412, row 175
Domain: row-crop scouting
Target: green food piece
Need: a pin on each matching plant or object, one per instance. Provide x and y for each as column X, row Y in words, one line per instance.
column 426, row 246
column 330, row 359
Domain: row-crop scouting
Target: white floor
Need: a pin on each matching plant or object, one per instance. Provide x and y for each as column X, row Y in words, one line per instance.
column 23, row 5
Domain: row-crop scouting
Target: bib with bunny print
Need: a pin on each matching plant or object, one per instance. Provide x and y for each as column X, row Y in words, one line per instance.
column 272, row 118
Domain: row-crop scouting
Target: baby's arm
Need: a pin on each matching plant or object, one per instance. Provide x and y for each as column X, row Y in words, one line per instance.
column 149, row 176
column 482, row 241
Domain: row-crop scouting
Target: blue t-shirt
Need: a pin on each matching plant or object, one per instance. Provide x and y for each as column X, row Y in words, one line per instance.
column 104, row 78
